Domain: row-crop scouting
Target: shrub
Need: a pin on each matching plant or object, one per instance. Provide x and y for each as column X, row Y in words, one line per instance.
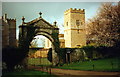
column 89, row 50
column 12, row 56
column 55, row 59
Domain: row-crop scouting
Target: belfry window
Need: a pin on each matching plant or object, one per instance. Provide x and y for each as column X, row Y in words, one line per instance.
column 77, row 22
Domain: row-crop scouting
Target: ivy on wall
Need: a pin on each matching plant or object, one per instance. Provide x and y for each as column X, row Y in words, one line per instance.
column 56, row 41
column 27, row 33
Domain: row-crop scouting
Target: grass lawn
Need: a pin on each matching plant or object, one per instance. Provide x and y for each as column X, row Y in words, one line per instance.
column 24, row 73
column 108, row 64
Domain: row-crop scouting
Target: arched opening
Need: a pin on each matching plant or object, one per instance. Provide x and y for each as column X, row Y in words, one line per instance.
column 39, row 26
column 39, row 48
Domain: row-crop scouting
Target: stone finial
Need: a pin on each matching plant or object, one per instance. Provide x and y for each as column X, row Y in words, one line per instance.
column 2, row 17
column 5, row 16
column 23, row 19
column 40, row 13
column 55, row 23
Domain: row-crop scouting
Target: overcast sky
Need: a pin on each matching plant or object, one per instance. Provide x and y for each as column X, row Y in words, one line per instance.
column 52, row 11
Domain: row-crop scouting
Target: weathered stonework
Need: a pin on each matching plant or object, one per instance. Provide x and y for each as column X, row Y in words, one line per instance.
column 74, row 28
column 28, row 30
column 8, row 32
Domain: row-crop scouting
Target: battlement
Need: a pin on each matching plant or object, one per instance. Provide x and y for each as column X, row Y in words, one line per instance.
column 71, row 10
column 11, row 19
column 8, row 19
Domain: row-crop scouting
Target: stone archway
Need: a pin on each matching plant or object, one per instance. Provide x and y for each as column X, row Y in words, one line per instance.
column 39, row 26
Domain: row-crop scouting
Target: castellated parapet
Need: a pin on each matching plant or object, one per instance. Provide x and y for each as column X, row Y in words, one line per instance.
column 71, row 10
column 14, row 20
column 6, row 19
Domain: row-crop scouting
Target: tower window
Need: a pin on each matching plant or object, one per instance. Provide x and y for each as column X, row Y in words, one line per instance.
column 77, row 22
column 81, row 23
column 67, row 23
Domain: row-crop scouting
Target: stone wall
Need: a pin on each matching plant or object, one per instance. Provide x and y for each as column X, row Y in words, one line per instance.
column 78, row 55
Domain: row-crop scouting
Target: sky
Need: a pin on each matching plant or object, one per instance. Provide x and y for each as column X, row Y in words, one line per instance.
column 51, row 11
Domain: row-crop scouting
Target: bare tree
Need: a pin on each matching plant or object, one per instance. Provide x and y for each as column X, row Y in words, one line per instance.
column 104, row 28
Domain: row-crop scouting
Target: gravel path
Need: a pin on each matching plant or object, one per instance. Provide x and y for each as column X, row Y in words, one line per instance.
column 77, row 72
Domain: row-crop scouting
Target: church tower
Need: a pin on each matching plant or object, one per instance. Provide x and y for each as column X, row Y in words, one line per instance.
column 74, row 28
